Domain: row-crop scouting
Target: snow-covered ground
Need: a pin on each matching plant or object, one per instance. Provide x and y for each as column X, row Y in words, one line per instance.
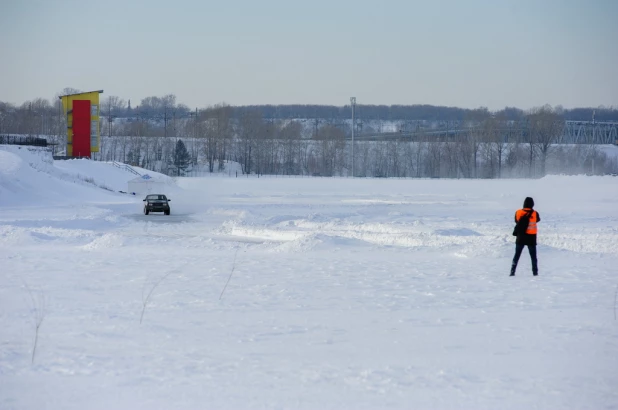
column 342, row 294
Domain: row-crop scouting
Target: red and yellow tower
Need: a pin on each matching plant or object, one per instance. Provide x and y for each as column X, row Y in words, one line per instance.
column 82, row 114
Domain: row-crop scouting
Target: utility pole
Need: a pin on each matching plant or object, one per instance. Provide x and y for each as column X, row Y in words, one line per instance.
column 593, row 113
column 194, row 139
column 353, row 104
column 110, row 120
column 195, row 150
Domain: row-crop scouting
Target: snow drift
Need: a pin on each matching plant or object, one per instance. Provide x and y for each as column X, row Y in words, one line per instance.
column 30, row 176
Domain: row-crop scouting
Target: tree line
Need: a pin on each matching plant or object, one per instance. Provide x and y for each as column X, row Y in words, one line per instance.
column 168, row 137
column 42, row 116
column 495, row 147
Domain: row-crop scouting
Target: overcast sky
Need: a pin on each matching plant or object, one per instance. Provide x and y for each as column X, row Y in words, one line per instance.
column 467, row 53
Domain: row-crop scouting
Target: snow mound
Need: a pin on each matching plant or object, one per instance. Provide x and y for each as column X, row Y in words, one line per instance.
column 321, row 242
column 10, row 235
column 457, row 232
column 29, row 176
column 9, row 163
column 106, row 241
column 109, row 175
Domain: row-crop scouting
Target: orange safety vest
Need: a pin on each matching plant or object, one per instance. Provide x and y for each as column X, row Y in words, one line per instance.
column 532, row 225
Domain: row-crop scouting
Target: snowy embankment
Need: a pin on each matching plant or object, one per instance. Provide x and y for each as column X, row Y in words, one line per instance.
column 342, row 294
column 30, row 176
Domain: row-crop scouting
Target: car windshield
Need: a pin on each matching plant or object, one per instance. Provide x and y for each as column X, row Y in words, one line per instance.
column 156, row 197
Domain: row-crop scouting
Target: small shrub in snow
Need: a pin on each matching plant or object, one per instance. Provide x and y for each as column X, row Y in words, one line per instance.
column 147, row 298
column 39, row 312
column 230, row 277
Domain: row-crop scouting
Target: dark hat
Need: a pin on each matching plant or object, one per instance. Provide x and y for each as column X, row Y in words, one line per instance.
column 528, row 202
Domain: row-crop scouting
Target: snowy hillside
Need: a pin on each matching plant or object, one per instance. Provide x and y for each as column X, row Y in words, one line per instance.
column 302, row 293
column 29, row 175
column 106, row 174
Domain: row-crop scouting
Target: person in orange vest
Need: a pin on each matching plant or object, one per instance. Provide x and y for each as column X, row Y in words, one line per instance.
column 529, row 238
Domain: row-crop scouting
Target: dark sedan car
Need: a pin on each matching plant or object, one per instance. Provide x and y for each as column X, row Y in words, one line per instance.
column 156, row 203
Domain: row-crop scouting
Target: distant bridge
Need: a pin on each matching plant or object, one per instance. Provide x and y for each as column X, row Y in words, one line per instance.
column 590, row 132
column 574, row 132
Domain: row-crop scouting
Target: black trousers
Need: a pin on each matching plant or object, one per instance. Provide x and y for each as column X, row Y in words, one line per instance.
column 518, row 250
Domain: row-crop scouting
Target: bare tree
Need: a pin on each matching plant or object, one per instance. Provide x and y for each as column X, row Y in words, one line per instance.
column 394, row 159
column 248, row 132
column 475, row 121
column 503, row 135
column 546, row 126
column 330, row 146
column 69, row 91
column 271, row 147
column 290, row 138
column 5, row 115
column 433, row 161
column 466, row 158
column 111, row 109
column 217, row 134
column 451, row 157
column 421, row 154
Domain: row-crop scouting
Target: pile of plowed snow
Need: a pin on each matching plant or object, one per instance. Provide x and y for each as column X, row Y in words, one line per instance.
column 29, row 176
column 105, row 174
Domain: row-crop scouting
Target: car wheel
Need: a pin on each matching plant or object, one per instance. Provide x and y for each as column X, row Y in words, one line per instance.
column 146, row 212
column 167, row 212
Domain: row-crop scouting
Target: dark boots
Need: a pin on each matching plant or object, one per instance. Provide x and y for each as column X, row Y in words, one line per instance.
column 535, row 270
